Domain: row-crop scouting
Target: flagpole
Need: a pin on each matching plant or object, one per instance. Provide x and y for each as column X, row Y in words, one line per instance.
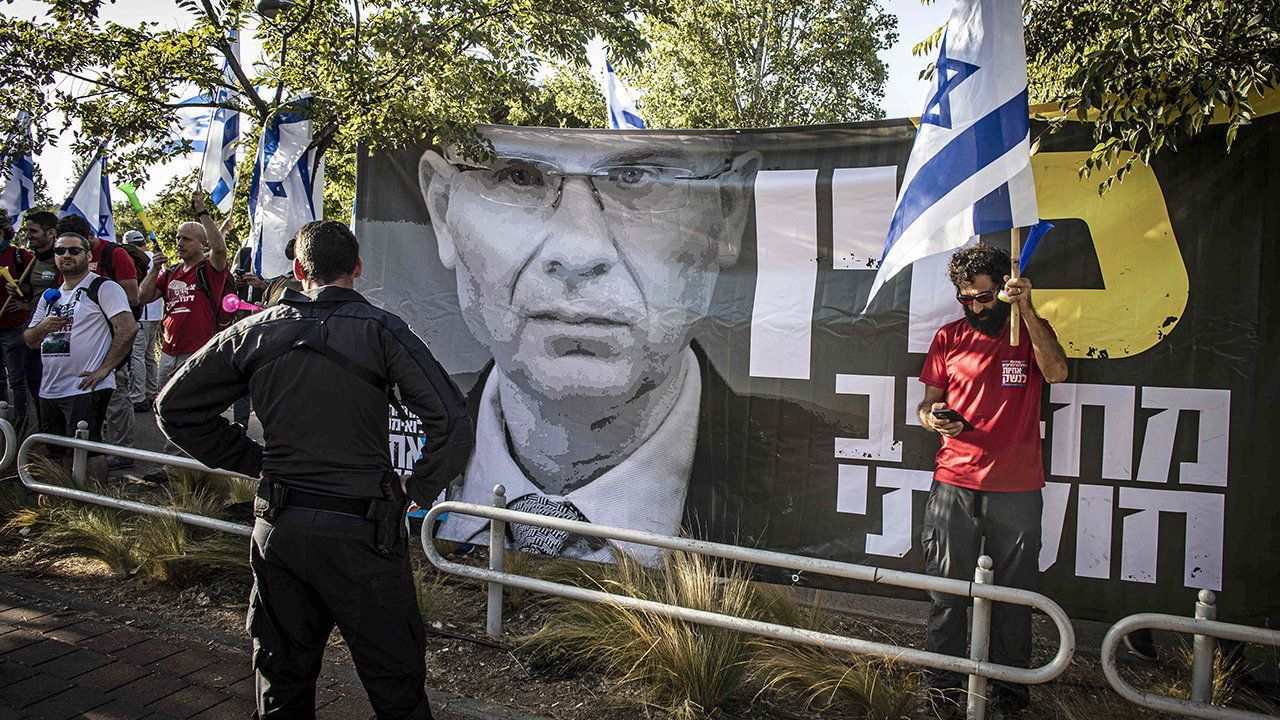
column 1015, row 317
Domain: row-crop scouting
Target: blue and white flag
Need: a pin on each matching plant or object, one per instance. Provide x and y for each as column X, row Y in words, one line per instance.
column 19, row 180
column 91, row 199
column 970, row 167
column 622, row 111
column 194, row 119
column 288, row 187
column 218, row 166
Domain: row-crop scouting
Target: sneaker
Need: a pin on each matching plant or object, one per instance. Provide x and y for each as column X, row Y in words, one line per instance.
column 142, row 407
column 157, row 477
column 1141, row 644
column 115, row 462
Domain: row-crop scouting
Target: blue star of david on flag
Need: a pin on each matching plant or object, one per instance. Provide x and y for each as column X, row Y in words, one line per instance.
column 949, row 73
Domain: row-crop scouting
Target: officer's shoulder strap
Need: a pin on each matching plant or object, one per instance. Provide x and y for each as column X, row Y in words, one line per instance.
column 314, row 336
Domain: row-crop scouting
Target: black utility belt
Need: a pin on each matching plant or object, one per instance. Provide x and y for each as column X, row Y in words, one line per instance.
column 295, row 498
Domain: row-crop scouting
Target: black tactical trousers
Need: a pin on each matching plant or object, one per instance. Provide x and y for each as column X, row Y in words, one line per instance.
column 959, row 525
column 312, row 570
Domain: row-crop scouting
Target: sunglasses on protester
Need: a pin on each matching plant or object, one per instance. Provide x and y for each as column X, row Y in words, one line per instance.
column 73, row 251
column 982, row 297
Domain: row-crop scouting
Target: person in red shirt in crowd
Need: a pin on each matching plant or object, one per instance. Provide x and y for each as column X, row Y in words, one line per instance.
column 192, row 289
column 13, row 349
column 989, row 472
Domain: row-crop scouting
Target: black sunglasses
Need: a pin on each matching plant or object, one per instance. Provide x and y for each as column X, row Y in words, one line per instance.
column 982, row 297
column 73, row 251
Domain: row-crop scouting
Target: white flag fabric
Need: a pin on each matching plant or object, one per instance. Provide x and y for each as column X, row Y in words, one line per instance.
column 194, row 118
column 622, row 110
column 91, row 200
column 19, row 180
column 218, row 165
column 287, row 190
column 970, row 167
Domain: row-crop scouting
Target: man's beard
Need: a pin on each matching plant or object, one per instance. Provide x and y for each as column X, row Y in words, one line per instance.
column 991, row 320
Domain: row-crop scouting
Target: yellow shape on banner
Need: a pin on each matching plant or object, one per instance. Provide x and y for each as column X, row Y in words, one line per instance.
column 1144, row 278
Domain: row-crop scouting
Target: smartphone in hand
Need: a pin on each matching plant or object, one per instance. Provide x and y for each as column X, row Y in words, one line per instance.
column 951, row 415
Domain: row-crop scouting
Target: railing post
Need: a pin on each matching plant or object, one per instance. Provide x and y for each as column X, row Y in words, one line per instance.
column 80, row 457
column 1202, row 651
column 497, row 551
column 980, row 641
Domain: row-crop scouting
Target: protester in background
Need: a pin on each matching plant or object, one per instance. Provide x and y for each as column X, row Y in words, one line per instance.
column 143, row 365
column 15, row 298
column 330, row 544
column 114, row 262
column 82, row 337
column 986, row 492
column 270, row 292
column 39, row 229
column 192, row 289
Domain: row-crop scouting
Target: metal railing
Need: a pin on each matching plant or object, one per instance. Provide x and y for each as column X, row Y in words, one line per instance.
column 81, row 447
column 1206, row 630
column 981, row 590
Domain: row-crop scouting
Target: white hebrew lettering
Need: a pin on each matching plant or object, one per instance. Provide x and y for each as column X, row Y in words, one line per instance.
column 1117, row 428
column 896, row 529
column 915, row 396
column 1202, row 557
column 1214, row 407
column 851, row 489
column 862, row 202
column 1052, row 519
column 879, row 443
column 787, row 274
column 1094, row 510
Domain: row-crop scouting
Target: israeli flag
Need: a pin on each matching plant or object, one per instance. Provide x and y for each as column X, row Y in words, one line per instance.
column 288, row 187
column 622, row 111
column 218, row 166
column 19, row 180
column 194, row 120
column 91, row 199
column 970, row 167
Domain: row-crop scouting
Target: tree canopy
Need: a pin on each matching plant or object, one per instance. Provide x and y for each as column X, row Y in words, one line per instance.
column 383, row 73
column 757, row 63
column 1150, row 74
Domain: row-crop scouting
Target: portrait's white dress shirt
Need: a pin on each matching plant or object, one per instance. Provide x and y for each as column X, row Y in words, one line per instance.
column 646, row 491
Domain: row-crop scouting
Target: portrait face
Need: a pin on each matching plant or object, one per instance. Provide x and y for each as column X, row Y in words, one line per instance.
column 37, row 237
column 581, row 264
column 982, row 309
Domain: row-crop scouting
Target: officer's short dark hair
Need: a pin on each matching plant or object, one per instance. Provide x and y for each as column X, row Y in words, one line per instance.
column 981, row 259
column 45, row 219
column 327, row 250
column 76, row 225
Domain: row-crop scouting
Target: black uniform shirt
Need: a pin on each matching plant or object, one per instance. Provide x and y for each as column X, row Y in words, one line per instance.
column 325, row 426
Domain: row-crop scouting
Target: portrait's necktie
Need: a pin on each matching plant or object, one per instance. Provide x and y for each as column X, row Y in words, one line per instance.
column 544, row 541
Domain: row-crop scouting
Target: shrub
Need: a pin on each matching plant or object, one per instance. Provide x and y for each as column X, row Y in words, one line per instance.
column 823, row 680
column 66, row 530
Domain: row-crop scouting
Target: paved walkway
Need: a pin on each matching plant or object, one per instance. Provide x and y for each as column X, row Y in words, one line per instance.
column 71, row 658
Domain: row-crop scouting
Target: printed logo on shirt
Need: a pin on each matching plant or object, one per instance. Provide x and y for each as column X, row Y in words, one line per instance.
column 1013, row 373
column 58, row 344
column 180, row 293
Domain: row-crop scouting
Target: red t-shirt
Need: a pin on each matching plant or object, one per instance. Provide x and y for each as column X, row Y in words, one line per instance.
column 996, row 387
column 121, row 264
column 17, row 261
column 188, row 312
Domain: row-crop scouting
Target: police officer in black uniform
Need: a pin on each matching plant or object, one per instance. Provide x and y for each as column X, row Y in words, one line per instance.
column 330, row 542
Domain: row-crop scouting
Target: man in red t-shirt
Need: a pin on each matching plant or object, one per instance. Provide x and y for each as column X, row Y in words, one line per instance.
column 13, row 349
column 985, row 497
column 192, row 289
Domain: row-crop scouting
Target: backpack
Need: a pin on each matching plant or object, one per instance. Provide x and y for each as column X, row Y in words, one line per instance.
column 140, row 264
column 91, row 292
column 221, row 319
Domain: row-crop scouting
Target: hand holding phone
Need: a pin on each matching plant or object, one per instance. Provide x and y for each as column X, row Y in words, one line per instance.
column 945, row 416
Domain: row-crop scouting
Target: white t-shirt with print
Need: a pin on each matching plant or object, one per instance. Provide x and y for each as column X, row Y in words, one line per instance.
column 82, row 344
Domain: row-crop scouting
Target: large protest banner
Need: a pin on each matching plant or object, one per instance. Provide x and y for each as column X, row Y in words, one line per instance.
column 663, row 330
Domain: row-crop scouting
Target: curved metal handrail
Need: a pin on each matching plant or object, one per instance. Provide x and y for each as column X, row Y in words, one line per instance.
column 10, row 440
column 30, row 481
column 1189, row 626
column 1042, row 674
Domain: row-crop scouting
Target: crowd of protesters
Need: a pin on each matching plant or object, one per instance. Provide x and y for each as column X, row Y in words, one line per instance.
column 91, row 329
